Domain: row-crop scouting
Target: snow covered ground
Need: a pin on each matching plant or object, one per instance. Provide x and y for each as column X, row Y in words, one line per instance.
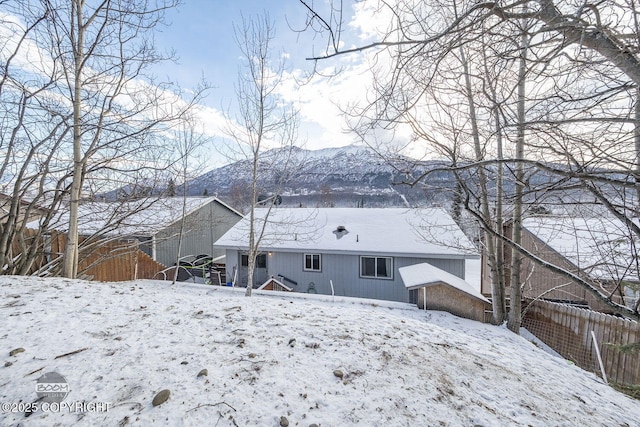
column 277, row 359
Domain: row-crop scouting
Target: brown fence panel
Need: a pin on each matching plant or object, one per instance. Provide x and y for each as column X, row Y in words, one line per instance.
column 147, row 267
column 117, row 261
column 567, row 330
column 106, row 260
column 111, row 261
column 57, row 242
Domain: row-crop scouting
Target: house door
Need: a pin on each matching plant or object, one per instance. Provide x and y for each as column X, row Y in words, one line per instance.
column 259, row 273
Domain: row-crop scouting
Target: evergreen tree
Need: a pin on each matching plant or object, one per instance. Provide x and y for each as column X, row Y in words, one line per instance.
column 171, row 188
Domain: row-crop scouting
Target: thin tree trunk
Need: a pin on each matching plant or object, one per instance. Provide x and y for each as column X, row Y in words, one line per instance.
column 515, row 313
column 498, row 312
column 70, row 265
column 253, row 250
column 636, row 135
column 181, row 232
column 636, row 129
column 498, row 293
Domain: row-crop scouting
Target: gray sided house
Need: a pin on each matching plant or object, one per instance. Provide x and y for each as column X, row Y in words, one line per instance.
column 358, row 251
column 206, row 220
column 156, row 224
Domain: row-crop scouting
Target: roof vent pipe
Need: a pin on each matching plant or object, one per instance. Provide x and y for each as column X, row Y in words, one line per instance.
column 340, row 231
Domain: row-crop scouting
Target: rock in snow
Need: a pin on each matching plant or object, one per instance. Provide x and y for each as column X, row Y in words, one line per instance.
column 161, row 397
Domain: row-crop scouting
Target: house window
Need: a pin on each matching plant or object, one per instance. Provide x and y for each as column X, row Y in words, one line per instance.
column 312, row 262
column 377, row 267
column 261, row 261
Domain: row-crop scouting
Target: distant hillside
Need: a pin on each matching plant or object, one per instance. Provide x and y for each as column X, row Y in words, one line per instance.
column 351, row 176
column 346, row 176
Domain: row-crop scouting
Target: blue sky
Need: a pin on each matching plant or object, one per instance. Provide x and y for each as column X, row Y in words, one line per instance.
column 201, row 33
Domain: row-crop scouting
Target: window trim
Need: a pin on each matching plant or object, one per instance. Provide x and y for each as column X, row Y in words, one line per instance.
column 245, row 256
column 304, row 262
column 376, row 258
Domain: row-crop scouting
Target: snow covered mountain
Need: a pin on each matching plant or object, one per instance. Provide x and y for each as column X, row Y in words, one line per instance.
column 347, row 176
column 351, row 176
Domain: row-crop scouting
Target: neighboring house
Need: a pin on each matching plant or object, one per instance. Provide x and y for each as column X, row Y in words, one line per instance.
column 22, row 239
column 601, row 250
column 347, row 251
column 156, row 224
column 34, row 211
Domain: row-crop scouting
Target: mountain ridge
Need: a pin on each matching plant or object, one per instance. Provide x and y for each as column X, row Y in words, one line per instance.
column 346, row 176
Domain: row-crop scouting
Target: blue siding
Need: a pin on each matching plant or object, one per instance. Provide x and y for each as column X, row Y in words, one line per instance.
column 344, row 271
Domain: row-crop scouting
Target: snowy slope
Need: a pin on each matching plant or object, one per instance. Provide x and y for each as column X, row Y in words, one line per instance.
column 274, row 355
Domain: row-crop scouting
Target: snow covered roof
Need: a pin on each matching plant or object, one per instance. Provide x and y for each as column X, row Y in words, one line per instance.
column 140, row 217
column 390, row 231
column 424, row 275
column 602, row 247
column 5, row 202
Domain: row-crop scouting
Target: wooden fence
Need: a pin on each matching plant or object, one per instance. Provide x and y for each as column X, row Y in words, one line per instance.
column 111, row 261
column 567, row 330
column 118, row 261
column 22, row 242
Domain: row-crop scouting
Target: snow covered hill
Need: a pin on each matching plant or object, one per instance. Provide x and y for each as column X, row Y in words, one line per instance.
column 342, row 176
column 274, row 360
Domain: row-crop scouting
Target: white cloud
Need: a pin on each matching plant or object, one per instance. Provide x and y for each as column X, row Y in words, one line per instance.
column 26, row 54
column 371, row 19
column 343, row 82
column 322, row 100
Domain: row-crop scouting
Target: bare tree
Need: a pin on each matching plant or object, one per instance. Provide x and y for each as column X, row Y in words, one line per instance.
column 105, row 47
column 32, row 132
column 264, row 129
column 189, row 141
column 90, row 117
column 582, row 70
column 515, row 314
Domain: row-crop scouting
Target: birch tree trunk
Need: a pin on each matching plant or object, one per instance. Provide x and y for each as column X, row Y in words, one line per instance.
column 70, row 265
column 498, row 294
column 253, row 247
column 485, row 211
column 636, row 135
column 262, row 123
column 515, row 311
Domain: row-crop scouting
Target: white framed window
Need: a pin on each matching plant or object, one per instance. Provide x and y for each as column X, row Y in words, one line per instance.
column 312, row 262
column 377, row 267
